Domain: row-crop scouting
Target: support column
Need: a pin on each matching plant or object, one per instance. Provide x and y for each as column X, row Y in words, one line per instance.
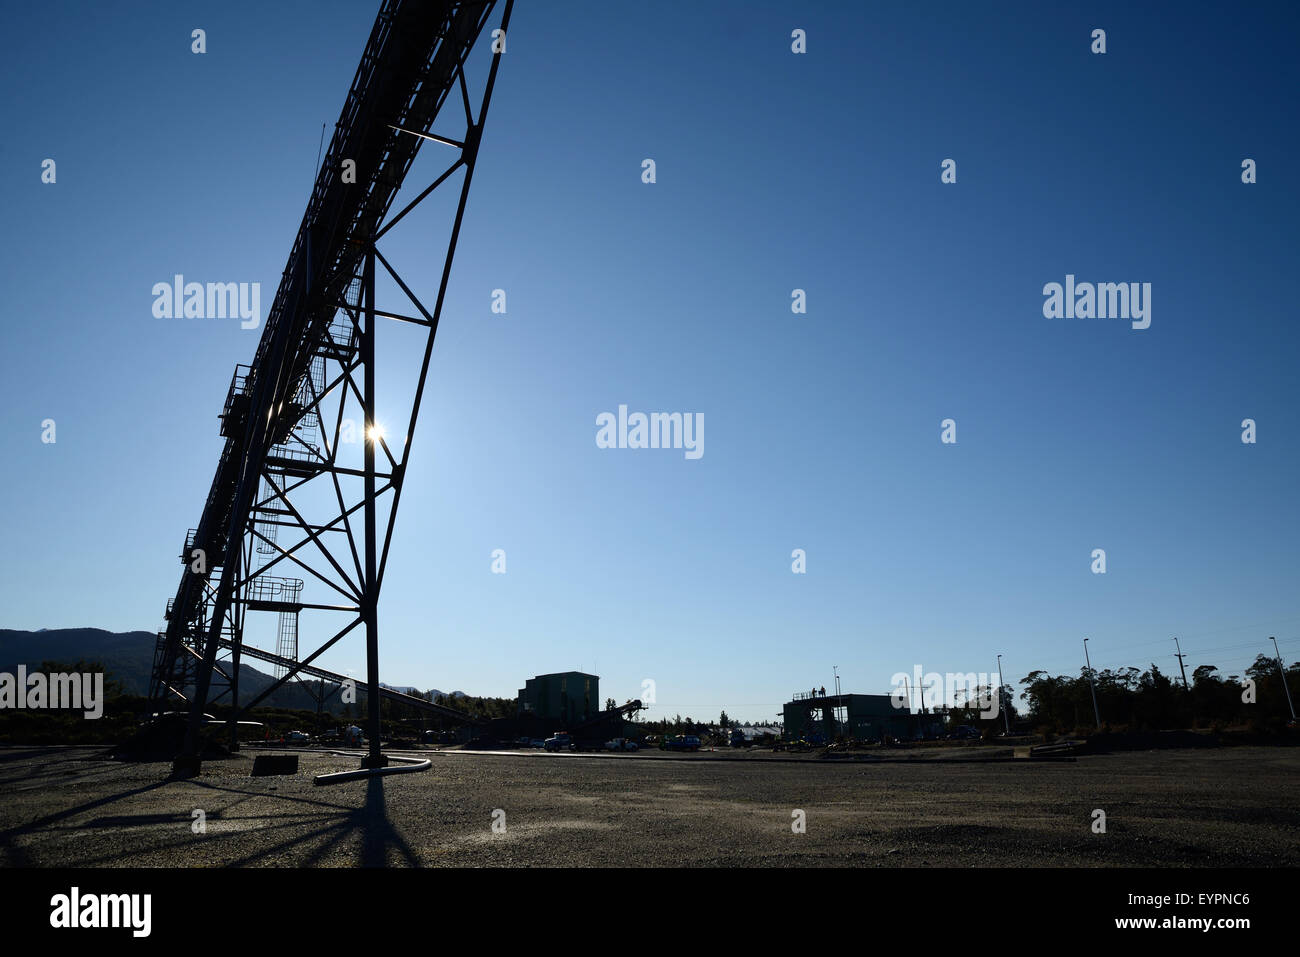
column 369, row 596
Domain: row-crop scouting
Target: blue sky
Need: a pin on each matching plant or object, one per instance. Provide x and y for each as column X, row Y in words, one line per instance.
column 775, row 171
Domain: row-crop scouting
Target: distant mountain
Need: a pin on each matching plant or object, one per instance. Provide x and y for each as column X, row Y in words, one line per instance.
column 412, row 690
column 128, row 658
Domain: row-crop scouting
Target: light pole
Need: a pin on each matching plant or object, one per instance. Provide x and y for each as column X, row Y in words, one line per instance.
column 1006, row 719
column 1092, row 684
column 1282, row 672
column 838, row 702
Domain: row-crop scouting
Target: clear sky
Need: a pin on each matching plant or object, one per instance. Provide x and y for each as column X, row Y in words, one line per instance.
column 775, row 171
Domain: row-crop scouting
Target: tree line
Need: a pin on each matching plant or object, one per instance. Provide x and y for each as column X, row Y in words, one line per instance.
column 1152, row 700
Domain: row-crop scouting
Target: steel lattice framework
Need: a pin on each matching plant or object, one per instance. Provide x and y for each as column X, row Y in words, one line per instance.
column 285, row 419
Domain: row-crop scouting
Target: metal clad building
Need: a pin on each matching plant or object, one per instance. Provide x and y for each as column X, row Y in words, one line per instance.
column 563, row 697
column 864, row 716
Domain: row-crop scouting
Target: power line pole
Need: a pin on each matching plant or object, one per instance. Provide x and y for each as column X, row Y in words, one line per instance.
column 1006, row 720
column 1282, row 672
column 1092, row 684
column 1181, row 666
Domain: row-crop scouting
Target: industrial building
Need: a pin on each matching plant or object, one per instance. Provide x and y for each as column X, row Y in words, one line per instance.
column 562, row 698
column 567, row 701
column 868, row 717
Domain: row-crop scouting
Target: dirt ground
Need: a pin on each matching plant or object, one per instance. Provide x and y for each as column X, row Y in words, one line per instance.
column 1175, row 808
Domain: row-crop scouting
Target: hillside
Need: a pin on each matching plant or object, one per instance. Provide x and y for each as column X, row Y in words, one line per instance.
column 128, row 658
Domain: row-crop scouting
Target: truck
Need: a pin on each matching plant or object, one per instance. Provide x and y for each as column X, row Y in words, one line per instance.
column 560, row 741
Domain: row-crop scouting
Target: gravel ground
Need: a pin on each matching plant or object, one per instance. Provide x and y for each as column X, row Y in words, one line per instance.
column 1220, row 807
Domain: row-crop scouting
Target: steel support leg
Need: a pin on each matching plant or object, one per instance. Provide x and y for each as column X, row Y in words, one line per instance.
column 370, row 596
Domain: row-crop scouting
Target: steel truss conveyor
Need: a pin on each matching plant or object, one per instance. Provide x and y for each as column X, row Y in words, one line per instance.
column 317, row 345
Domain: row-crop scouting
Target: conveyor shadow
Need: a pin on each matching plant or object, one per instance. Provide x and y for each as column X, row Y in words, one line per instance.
column 20, row 858
column 377, row 831
column 328, row 825
column 335, row 824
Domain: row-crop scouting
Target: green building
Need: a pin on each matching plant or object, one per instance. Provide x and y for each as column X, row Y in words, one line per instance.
column 561, row 698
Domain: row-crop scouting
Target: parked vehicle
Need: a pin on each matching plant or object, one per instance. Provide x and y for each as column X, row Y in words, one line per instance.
column 681, row 742
column 560, row 741
column 297, row 737
column 353, row 736
column 738, row 739
column 620, row 744
column 963, row 732
column 537, row 743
